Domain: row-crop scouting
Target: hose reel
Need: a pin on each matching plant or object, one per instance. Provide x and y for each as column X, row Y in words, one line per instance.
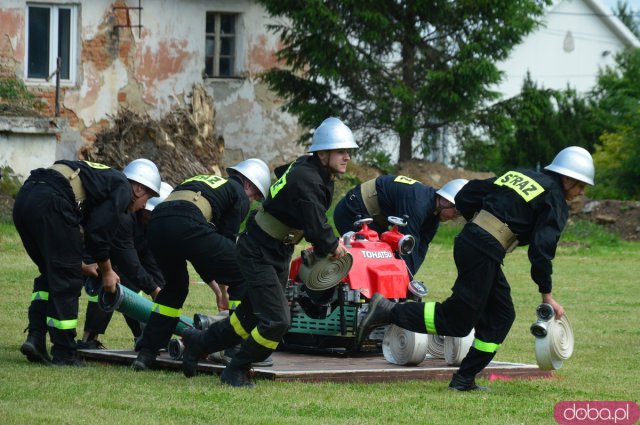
column 553, row 338
column 319, row 274
column 403, row 347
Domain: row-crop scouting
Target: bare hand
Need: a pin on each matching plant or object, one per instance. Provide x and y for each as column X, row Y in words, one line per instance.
column 340, row 252
column 90, row 269
column 110, row 280
column 155, row 293
column 557, row 308
column 222, row 297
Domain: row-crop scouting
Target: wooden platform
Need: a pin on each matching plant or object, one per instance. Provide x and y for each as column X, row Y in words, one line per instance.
column 290, row 366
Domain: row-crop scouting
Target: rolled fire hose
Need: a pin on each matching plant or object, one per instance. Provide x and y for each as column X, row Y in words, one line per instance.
column 403, row 347
column 319, row 274
column 435, row 346
column 554, row 338
column 456, row 348
column 134, row 306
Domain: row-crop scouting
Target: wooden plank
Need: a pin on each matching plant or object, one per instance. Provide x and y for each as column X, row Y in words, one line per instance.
column 325, row 368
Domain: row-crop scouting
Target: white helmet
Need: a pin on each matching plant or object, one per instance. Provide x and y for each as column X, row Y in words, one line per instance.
column 165, row 190
column 451, row 189
column 144, row 172
column 256, row 171
column 332, row 134
column 574, row 162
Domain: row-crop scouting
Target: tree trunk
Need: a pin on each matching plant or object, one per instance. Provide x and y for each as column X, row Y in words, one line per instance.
column 405, row 147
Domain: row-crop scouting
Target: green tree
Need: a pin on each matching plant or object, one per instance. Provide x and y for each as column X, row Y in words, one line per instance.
column 527, row 130
column 404, row 68
column 628, row 16
column 616, row 102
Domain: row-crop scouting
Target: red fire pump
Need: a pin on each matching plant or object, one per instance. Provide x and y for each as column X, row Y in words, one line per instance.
column 326, row 315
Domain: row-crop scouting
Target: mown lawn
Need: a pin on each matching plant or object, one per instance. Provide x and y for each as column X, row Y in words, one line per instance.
column 596, row 279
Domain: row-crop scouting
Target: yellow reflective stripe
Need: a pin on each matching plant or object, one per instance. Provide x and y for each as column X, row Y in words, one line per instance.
column 280, row 183
column 523, row 185
column 405, row 180
column 272, row 345
column 237, row 327
column 487, row 347
column 233, row 304
column 97, row 165
column 210, row 180
column 429, row 317
column 93, row 299
column 40, row 296
column 62, row 324
column 166, row 311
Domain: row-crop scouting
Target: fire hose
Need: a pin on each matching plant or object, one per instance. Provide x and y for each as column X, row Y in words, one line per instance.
column 134, row 306
column 319, row 274
column 554, row 338
column 403, row 347
column 456, row 348
column 435, row 346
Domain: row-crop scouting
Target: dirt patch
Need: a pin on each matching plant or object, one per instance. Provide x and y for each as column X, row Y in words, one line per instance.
column 435, row 174
column 621, row 217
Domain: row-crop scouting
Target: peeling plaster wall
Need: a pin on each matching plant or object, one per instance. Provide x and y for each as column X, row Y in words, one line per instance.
column 149, row 72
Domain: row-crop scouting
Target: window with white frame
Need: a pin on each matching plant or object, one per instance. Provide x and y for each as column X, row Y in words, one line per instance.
column 51, row 34
column 220, row 47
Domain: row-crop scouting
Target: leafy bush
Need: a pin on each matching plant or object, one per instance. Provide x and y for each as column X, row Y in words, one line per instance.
column 15, row 93
column 9, row 183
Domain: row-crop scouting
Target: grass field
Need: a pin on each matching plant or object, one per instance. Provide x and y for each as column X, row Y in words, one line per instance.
column 596, row 279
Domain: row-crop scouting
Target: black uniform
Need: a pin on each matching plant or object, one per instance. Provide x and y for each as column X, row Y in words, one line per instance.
column 132, row 259
column 299, row 199
column 397, row 196
column 533, row 206
column 179, row 232
column 48, row 220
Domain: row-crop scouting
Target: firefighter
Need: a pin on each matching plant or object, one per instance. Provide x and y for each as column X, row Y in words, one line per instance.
column 50, row 209
column 400, row 196
column 295, row 208
column 133, row 261
column 516, row 209
column 198, row 223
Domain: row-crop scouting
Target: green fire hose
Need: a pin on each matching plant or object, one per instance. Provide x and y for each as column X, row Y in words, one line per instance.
column 134, row 306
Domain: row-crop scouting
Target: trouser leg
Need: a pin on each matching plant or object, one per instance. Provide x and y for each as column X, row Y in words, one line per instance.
column 96, row 319
column 265, row 272
column 37, row 312
column 491, row 328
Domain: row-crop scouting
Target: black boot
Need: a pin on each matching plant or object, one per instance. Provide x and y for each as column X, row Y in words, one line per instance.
column 68, row 360
column 193, row 351
column 145, row 360
column 35, row 348
column 237, row 377
column 225, row 357
column 379, row 315
column 460, row 383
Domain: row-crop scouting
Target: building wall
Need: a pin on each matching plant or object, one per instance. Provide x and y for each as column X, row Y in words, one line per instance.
column 567, row 50
column 153, row 69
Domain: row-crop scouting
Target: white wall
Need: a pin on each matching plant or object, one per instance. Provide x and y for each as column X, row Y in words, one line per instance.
column 26, row 144
column 548, row 55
